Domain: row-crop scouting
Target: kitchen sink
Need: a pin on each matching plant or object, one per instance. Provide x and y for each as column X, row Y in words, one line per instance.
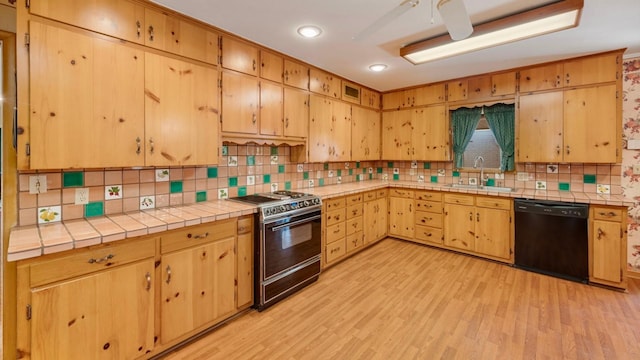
column 484, row 188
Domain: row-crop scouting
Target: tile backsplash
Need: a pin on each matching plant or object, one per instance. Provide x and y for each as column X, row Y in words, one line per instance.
column 249, row 169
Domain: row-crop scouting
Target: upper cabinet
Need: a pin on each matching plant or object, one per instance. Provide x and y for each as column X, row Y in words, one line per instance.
column 593, row 70
column 239, row 56
column 350, row 92
column 424, row 95
column 545, row 77
column 296, row 113
column 325, row 83
column 270, row 66
column 369, row 98
column 416, row 134
column 296, row 74
column 482, row 87
column 329, row 130
column 240, row 103
column 365, row 134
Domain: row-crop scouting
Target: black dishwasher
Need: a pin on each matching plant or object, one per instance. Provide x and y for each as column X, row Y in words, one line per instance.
column 552, row 238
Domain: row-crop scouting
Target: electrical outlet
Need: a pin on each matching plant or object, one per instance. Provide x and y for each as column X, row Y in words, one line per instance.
column 82, row 196
column 636, row 169
column 37, row 184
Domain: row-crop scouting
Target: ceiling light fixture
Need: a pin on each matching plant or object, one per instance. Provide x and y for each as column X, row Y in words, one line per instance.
column 377, row 67
column 553, row 17
column 309, row 31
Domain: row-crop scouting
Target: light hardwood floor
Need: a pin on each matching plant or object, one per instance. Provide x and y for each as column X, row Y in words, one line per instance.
column 399, row 300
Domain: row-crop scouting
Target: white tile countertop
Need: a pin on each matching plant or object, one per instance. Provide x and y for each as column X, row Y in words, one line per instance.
column 33, row 241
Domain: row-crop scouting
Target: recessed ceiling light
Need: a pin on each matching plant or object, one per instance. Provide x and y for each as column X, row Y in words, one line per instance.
column 377, row 67
column 309, row 31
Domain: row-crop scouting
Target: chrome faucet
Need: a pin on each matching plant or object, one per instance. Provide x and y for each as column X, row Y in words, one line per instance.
column 475, row 166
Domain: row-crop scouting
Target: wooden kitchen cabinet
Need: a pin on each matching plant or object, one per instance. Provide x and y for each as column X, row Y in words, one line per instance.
column 375, row 215
column 334, row 233
column 271, row 108
column 240, row 103
column 245, row 259
column 325, row 83
column 181, row 115
column 478, row 87
column 457, row 90
column 408, row 98
column 271, row 66
column 485, row 87
column 428, row 218
column 296, row 74
column 542, row 77
column 396, row 127
column 96, row 302
column 296, row 113
column 329, row 130
column 608, row 246
column 459, row 226
column 239, row 56
column 401, row 213
column 539, row 123
column 354, row 223
column 365, row 134
column 73, row 123
column 370, row 98
column 416, row 134
column 503, row 84
column 351, row 92
column 593, row 69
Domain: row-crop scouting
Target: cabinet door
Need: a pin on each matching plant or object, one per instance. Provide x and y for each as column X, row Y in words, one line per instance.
column 592, row 70
column 430, row 135
column 296, row 74
column 401, row 217
column 503, row 84
column 195, row 42
column 107, row 315
column 270, row 66
column 375, row 220
column 493, row 232
column 240, row 94
column 591, row 125
column 396, row 142
column 430, row 94
column 370, row 98
column 457, row 90
column 245, row 270
column 607, row 241
column 159, row 28
column 75, row 124
column 541, row 78
column 270, row 109
column 459, row 227
column 123, row 19
column 365, row 134
column 393, row 100
column 324, row 83
column 198, row 287
column 296, row 113
column 181, row 115
column 239, row 56
column 539, row 137
column 479, row 87
column 329, row 130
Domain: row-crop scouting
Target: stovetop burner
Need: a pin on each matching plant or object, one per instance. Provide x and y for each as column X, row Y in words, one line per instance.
column 281, row 202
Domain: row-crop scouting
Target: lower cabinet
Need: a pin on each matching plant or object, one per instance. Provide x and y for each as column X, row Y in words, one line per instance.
column 429, row 217
column 401, row 213
column 608, row 246
column 375, row 215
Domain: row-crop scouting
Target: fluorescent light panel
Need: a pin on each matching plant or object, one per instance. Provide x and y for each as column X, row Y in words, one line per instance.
column 423, row 53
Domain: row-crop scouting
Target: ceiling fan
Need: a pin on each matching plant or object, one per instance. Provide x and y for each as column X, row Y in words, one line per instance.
column 453, row 13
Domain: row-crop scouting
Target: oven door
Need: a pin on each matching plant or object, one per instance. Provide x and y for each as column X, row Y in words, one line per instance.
column 290, row 241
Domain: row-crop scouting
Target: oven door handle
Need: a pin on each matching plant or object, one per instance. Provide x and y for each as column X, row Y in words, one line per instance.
column 276, row 228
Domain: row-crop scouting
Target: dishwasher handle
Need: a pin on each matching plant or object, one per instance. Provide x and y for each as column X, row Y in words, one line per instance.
column 553, row 208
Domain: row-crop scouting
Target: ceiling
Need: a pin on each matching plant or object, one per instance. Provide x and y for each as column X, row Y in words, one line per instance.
column 605, row 25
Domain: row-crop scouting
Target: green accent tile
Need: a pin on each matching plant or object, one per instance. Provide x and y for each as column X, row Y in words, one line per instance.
column 396, row 177
column 434, row 178
column 357, row 164
column 233, row 181
column 339, row 172
column 94, row 209
column 175, row 187
column 370, row 176
column 242, row 191
column 75, row 178
column 379, row 170
column 287, row 185
column 212, row 172
column 427, row 165
column 225, row 150
column 201, row 196
column 251, row 160
column 280, row 169
column 364, row 170
column 456, row 174
column 274, row 150
column 305, row 175
column 357, row 177
column 321, row 182
column 266, row 178
column 491, row 182
column 564, row 186
column 390, row 164
column 326, row 166
column 350, row 171
column 589, row 179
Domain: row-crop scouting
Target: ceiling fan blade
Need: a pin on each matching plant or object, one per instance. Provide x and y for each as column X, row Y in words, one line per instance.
column 386, row 19
column 455, row 18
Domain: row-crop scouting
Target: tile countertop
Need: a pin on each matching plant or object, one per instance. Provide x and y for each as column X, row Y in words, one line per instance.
column 33, row 241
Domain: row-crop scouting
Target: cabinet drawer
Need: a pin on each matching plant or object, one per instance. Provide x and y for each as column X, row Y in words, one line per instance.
column 459, row 199
column 197, row 235
column 382, row 193
column 369, row 195
column 354, row 211
column 335, row 203
column 91, row 259
column 425, row 233
column 335, row 232
column 609, row 214
column 354, row 225
column 401, row 193
column 355, row 241
column 335, row 250
column 431, row 206
column 428, row 195
column 495, row 203
column 354, row 199
column 429, row 219
column 335, row 216
column 245, row 225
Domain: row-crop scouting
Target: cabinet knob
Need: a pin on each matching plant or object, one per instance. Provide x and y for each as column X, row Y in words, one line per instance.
column 138, row 145
column 147, row 277
column 151, row 35
column 168, row 274
column 138, row 28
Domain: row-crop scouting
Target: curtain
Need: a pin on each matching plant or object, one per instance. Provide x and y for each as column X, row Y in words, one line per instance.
column 463, row 122
column 501, row 118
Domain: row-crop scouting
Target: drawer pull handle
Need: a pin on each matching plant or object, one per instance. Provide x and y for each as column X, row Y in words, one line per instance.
column 199, row 236
column 168, row 274
column 336, row 231
column 101, row 260
column 138, row 145
column 609, row 214
column 148, row 278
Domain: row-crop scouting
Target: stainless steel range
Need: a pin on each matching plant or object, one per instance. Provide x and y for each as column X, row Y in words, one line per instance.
column 288, row 244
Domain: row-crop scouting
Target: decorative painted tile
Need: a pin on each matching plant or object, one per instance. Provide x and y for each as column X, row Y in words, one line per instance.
column 346, row 165
column 370, row 170
column 379, row 170
column 300, row 167
column 287, row 185
column 420, row 178
column 541, row 185
column 147, row 202
column 201, row 196
column 232, row 160
column 390, row 164
column 396, row 171
column 339, row 180
column 370, row 176
column 162, row 175
column 357, row 164
column 339, row 172
column 251, row 160
column 305, row 175
column 564, row 186
column 93, row 209
column 473, row 181
column 589, row 179
column 330, row 174
column 266, row 178
column 427, row 166
column 223, row 193
column 434, row 178
column 113, row 192
column 274, row 150
column 281, row 169
column 242, row 191
column 274, row 187
column 212, row 172
column 251, row 180
column 321, row 182
column 414, row 164
column 326, row 166
column 385, row 177
column 49, row 214
column 175, row 187
column 37, row 184
column 233, row 182
column 311, row 183
column 456, row 174
column 225, row 150
column 396, row 177
column 413, row 172
column 73, row 179
column 350, row 172
column 442, row 172
column 603, row 189
column 361, row 177
column 274, row 159
column 552, row 169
